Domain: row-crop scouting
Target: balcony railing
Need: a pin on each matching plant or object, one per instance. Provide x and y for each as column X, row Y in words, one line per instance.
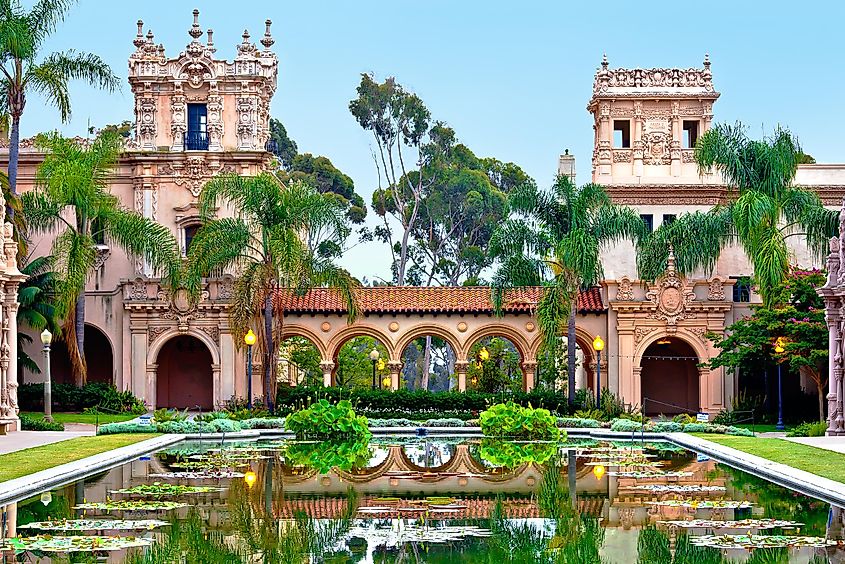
column 196, row 141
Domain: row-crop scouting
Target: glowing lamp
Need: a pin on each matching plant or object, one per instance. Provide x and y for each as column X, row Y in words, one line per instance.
column 374, row 355
column 598, row 471
column 598, row 343
column 249, row 338
column 484, row 354
column 46, row 337
column 250, row 478
column 46, row 498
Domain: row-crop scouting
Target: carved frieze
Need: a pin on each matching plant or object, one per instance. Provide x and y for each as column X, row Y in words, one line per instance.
column 154, row 333
column 621, row 156
column 716, row 290
column 670, row 296
column 625, row 292
column 641, row 333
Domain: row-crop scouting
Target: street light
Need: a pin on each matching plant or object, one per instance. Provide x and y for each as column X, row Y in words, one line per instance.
column 249, row 339
column 779, row 350
column 374, row 357
column 598, row 346
column 46, row 339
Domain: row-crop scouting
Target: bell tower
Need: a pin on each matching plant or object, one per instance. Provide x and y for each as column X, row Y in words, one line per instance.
column 647, row 121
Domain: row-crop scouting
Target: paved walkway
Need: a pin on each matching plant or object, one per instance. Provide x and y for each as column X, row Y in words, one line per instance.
column 835, row 444
column 20, row 440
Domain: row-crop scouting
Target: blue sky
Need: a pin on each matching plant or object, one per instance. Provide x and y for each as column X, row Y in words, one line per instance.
column 512, row 78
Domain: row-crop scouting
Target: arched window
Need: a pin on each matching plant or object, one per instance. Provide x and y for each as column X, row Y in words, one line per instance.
column 190, row 232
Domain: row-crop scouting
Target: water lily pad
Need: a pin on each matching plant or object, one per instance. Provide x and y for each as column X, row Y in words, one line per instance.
column 750, row 542
column 741, row 524
column 50, row 543
column 127, row 505
column 199, row 475
column 95, row 525
column 703, row 504
column 158, row 489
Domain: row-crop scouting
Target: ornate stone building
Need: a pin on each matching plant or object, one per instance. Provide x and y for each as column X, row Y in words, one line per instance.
column 10, row 279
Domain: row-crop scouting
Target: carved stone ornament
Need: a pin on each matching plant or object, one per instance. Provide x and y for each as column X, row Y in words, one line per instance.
column 699, row 332
column 212, row 331
column 625, row 292
column 671, row 295
column 715, row 290
column 657, row 148
column 154, row 333
column 641, row 333
column 137, row 290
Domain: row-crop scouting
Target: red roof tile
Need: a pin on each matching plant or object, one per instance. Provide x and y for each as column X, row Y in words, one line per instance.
column 426, row 299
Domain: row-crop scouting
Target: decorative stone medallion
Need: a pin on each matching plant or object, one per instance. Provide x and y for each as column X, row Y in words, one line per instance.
column 326, row 327
column 462, row 327
column 394, row 327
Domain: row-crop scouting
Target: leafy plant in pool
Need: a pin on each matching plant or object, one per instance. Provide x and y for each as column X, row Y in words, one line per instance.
column 326, row 421
column 517, row 422
column 325, row 455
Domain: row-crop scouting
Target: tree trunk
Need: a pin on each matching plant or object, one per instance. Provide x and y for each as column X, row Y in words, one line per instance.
column 820, row 387
column 80, row 370
column 426, row 365
column 570, row 352
column 269, row 387
column 14, row 149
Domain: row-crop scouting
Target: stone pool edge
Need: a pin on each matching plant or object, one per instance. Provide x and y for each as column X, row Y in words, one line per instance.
column 51, row 478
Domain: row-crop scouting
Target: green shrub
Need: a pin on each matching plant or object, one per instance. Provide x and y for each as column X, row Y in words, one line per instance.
column 29, row 423
column 666, row 427
column 448, row 422
column 625, row 425
column 210, row 416
column 165, row 415
column 809, row 429
column 414, row 415
column 414, row 401
column 398, row 422
column 740, row 431
column 325, row 455
column 696, row 427
column 596, row 414
column 511, row 454
column 725, row 417
column 125, row 427
column 577, row 422
column 324, row 420
column 684, row 419
column 263, row 423
column 246, row 413
column 67, row 397
column 512, row 420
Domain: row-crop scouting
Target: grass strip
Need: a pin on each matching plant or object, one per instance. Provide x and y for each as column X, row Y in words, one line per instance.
column 28, row 461
column 90, row 418
column 819, row 461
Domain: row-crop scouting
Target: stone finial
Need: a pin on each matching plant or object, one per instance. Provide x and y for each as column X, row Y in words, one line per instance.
column 267, row 41
column 150, row 37
column 604, row 61
column 707, row 60
column 670, row 261
column 196, row 31
column 246, row 37
column 210, row 34
column 139, row 39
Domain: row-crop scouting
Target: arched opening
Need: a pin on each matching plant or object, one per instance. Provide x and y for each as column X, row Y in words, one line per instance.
column 553, row 370
column 428, row 363
column 299, row 362
column 184, row 377
column 495, row 365
column 99, row 358
column 357, row 366
column 669, row 378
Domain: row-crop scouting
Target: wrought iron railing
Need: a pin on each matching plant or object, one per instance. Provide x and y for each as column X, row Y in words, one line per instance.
column 196, row 141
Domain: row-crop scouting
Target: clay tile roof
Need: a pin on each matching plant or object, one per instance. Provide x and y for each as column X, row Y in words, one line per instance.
column 425, row 299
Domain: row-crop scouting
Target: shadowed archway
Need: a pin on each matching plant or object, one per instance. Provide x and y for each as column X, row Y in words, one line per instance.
column 670, row 378
column 184, row 376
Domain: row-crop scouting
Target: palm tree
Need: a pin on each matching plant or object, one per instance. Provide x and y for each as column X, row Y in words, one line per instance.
column 22, row 36
column 37, row 307
column 554, row 241
column 765, row 210
column 72, row 201
column 281, row 237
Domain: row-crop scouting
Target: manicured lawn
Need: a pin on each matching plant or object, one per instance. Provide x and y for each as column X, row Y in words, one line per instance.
column 763, row 427
column 27, row 461
column 70, row 417
column 811, row 459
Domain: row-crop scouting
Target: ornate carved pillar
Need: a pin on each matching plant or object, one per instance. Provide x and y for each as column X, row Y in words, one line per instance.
column 150, row 385
column 637, row 142
column 215, row 119
column 675, row 144
column 636, row 393
column 461, row 371
column 327, row 366
column 178, row 120
column 395, row 368
column 217, row 386
column 529, row 368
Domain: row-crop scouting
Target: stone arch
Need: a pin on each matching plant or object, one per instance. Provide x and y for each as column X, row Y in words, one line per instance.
column 352, row 331
column 423, row 331
column 152, row 362
column 99, row 357
column 584, row 340
column 155, row 348
column 499, row 330
column 185, row 373
column 675, row 385
column 296, row 330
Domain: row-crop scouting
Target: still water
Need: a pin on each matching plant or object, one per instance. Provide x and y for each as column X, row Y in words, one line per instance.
column 423, row 500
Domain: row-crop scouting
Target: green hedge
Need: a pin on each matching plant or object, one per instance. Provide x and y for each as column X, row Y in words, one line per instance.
column 29, row 423
column 292, row 398
column 67, row 397
column 191, row 426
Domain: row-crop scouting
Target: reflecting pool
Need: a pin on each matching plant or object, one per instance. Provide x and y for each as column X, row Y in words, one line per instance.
column 420, row 499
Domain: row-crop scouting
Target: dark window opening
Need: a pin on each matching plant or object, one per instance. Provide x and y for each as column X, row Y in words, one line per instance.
column 648, row 219
column 196, row 138
column 97, row 231
column 742, row 289
column 190, row 233
column 669, row 218
column 622, row 134
column 690, row 134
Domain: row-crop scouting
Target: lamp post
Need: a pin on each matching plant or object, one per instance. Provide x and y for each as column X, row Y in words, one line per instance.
column 374, row 357
column 598, row 346
column 46, row 339
column 249, row 339
column 779, row 350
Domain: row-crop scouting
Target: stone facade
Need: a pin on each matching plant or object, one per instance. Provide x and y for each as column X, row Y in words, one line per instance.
column 10, row 279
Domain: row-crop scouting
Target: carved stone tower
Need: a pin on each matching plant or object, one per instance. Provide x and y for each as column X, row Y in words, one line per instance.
column 647, row 122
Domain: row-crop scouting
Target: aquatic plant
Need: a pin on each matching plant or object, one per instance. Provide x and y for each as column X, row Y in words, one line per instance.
column 95, row 525
column 127, row 505
column 511, row 454
column 158, row 489
column 323, row 456
column 514, row 421
column 324, row 420
column 78, row 543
